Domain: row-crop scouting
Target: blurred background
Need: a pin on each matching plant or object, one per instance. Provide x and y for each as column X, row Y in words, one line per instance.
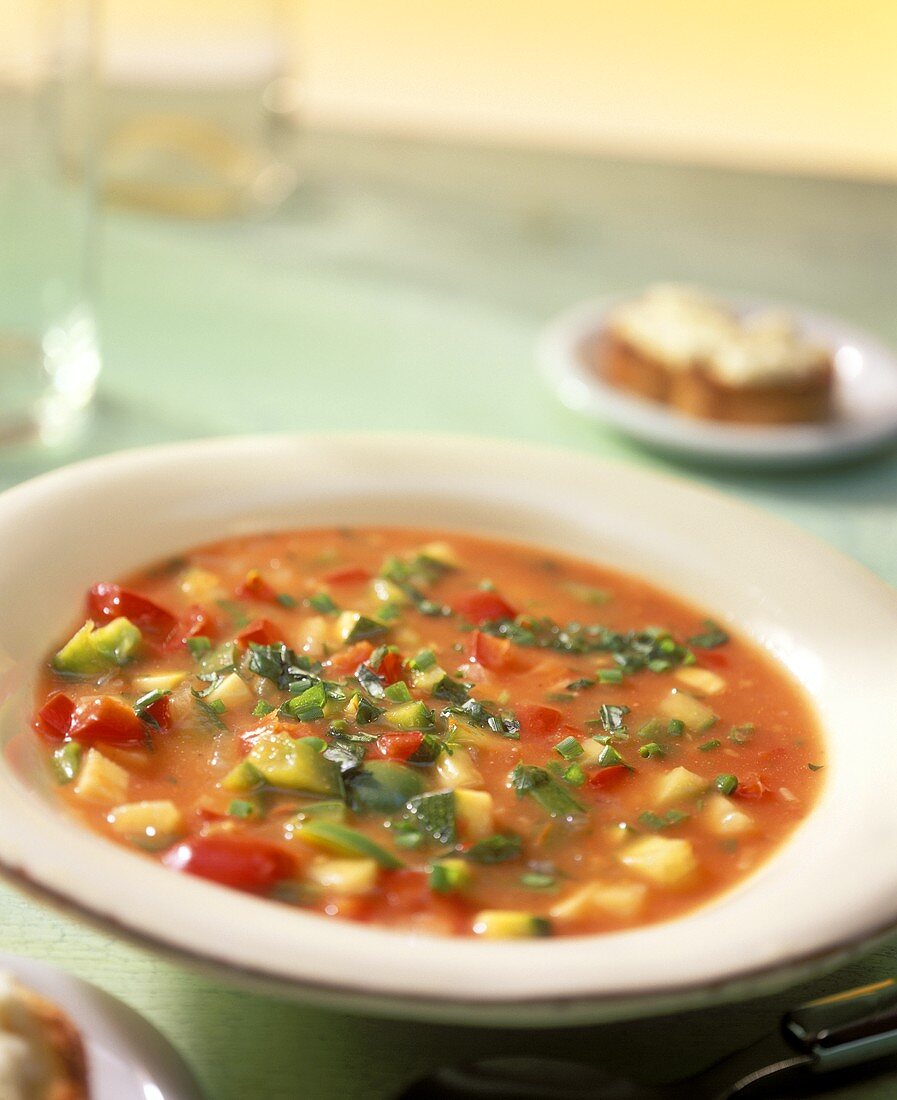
column 256, row 215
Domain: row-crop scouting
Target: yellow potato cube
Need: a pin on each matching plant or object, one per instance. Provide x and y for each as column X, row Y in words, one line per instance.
column 458, row 769
column 231, row 691
column 148, row 824
column 723, row 818
column 473, row 814
column 678, row 785
column 666, row 861
column 616, row 899
column 344, row 876
column 101, row 780
column 701, row 680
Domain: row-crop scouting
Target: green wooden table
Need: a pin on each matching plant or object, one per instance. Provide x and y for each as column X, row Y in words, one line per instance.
column 402, row 288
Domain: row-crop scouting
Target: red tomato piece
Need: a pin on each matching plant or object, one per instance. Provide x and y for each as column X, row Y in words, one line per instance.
column 346, row 661
column 240, row 862
column 607, row 778
column 160, row 712
column 255, row 587
column 714, row 660
column 197, row 621
column 492, row 653
column 106, row 720
column 262, row 632
column 482, row 607
column 54, row 719
column 111, row 601
column 399, row 746
column 750, row 787
column 351, row 574
column 391, row 668
column 538, row 721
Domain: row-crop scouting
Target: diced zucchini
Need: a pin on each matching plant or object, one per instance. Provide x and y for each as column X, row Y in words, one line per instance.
column 505, row 924
column 101, row 780
column 695, row 715
column 723, row 818
column 616, row 899
column 324, row 811
column 463, row 733
column 442, row 552
column 458, row 769
column 473, row 814
column 427, row 680
column 410, row 716
column 383, row 786
column 295, row 765
column 387, row 592
column 150, row 825
column 345, row 876
column 701, row 680
column 158, row 681
column 95, row 649
column 678, row 785
column 340, row 840
column 355, row 627
column 447, row 876
column 231, row 691
column 666, row 861
column 200, row 585
column 242, row 778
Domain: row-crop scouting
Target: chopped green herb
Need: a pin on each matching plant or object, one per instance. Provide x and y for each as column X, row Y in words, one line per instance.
column 495, row 849
column 535, row 880
column 235, row 612
column 655, row 822
column 815, row 767
column 239, row 807
column 145, row 702
column 281, row 665
column 435, row 814
column 322, row 603
column 675, row 727
column 209, row 713
column 726, row 784
column 199, row 645
column 262, row 708
column 448, row 875
column 712, row 636
column 587, row 593
column 308, row 705
column 457, row 692
column 741, row 735
column 611, row 716
column 709, row 746
column 286, row 600
column 569, row 748
column 67, row 761
column 575, row 776
column 423, row 660
column 651, row 749
column 540, row 785
column 581, row 684
column 609, row 757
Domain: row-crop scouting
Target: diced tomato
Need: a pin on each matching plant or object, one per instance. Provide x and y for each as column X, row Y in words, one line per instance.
column 606, row 779
column 111, row 601
column 351, row 574
column 255, row 587
column 346, row 661
column 104, row 719
column 261, row 631
column 492, row 653
column 538, row 721
column 197, row 621
column 390, row 669
column 160, row 712
column 399, row 746
column 714, row 660
column 240, row 862
column 482, row 607
column 750, row 787
column 54, row 719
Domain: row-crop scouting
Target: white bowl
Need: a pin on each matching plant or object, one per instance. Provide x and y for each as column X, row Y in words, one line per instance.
column 829, row 889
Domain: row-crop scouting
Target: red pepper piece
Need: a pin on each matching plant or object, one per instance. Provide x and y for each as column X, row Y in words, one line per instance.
column 104, row 719
column 350, row 574
column 607, row 778
column 262, row 632
column 492, row 653
column 255, row 587
column 111, row 601
column 240, row 862
column 482, row 607
column 537, row 720
column 54, row 719
column 399, row 746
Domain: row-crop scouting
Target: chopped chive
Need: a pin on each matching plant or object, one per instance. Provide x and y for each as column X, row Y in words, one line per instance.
column 575, row 776
column 535, row 880
column 216, row 705
column 609, row 757
column 650, row 820
column 581, row 684
column 241, row 808
column 709, row 746
column 740, row 735
column 712, row 636
column 610, row 676
column 726, row 784
column 398, row 692
column 285, row 600
column 675, row 727
column 569, row 748
column 611, row 717
column 423, row 660
column 199, row 645
column 646, row 752
column 262, row 708
column 815, row 767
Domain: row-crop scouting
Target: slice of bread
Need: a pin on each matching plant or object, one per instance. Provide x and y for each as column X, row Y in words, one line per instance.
column 678, row 347
column 41, row 1053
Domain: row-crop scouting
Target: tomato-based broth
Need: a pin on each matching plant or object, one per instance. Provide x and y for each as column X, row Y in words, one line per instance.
column 431, row 732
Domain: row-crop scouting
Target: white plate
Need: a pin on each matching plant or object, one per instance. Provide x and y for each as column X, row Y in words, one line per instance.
column 865, row 396
column 832, row 623
column 127, row 1058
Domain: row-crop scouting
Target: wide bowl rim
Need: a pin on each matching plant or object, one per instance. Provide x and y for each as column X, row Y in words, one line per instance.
column 541, row 992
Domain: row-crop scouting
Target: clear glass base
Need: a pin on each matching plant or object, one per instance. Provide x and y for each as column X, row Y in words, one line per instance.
column 47, row 382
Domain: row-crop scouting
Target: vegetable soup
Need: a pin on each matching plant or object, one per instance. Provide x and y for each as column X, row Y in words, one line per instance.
column 431, row 732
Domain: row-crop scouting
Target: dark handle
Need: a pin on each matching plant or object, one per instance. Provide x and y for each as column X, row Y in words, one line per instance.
column 858, row 1025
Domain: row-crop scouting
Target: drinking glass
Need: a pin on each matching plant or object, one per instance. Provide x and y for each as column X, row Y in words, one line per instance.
column 49, row 357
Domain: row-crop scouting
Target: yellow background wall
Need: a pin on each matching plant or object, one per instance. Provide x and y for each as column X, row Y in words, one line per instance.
column 794, row 84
